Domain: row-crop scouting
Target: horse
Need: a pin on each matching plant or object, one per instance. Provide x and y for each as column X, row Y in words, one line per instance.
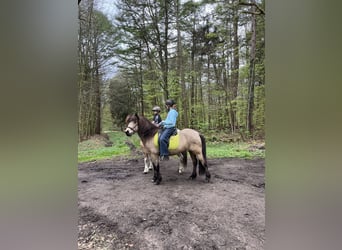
column 189, row 141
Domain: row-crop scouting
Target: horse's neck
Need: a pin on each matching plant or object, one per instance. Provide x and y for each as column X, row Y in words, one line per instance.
column 147, row 131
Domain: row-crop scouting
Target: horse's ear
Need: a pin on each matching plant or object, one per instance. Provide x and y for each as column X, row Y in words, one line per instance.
column 136, row 115
column 126, row 120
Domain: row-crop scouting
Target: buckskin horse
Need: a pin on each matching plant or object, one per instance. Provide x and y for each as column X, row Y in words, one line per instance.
column 189, row 140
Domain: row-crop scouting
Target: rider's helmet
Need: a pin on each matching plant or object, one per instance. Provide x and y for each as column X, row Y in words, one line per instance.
column 156, row 108
column 170, row 102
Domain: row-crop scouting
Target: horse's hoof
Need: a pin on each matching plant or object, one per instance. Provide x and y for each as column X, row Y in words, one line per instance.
column 157, row 181
column 192, row 177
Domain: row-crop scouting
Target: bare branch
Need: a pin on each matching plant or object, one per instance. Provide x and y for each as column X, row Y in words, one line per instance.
column 250, row 12
column 253, row 4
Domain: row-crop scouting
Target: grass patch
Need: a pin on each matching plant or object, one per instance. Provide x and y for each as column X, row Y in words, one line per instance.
column 101, row 154
column 95, row 149
column 233, row 150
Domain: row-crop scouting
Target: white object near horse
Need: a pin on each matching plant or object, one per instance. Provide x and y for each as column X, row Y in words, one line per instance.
column 189, row 140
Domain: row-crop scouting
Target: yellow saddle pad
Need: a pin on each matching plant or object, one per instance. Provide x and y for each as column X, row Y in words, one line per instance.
column 173, row 142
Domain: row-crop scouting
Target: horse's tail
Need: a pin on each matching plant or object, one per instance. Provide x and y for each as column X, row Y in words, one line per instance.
column 201, row 168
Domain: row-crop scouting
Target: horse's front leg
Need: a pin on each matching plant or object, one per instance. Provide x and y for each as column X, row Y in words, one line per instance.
column 156, row 173
column 182, row 162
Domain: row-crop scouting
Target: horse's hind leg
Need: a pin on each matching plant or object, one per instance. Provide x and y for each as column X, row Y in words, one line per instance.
column 150, row 165
column 203, row 167
column 147, row 162
column 147, row 159
column 194, row 164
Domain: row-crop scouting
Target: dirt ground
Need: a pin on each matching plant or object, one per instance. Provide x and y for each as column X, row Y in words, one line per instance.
column 120, row 208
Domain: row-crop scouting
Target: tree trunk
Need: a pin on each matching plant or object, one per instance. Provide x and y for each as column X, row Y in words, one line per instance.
column 235, row 67
column 192, row 90
column 180, row 71
column 166, row 60
column 141, row 85
column 250, row 102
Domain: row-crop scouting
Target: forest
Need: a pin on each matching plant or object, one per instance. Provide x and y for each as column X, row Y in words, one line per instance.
column 206, row 55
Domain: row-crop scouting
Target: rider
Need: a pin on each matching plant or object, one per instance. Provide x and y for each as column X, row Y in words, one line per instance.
column 156, row 116
column 169, row 127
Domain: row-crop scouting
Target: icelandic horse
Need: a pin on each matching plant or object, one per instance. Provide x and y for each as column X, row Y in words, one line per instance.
column 189, row 140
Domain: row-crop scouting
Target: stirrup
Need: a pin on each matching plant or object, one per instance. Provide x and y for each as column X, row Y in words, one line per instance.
column 175, row 132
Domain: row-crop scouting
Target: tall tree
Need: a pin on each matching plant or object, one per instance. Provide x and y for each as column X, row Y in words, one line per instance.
column 93, row 53
column 250, row 102
column 235, row 65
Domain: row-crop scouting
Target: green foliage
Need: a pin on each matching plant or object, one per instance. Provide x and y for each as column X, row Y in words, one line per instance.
column 197, row 57
column 241, row 106
column 107, row 120
column 174, row 86
column 211, row 35
column 259, row 111
column 151, row 87
column 121, row 102
column 103, row 25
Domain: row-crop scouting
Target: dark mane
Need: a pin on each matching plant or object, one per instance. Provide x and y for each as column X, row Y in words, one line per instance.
column 146, row 129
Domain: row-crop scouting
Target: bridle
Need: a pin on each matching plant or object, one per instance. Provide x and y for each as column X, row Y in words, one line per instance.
column 133, row 129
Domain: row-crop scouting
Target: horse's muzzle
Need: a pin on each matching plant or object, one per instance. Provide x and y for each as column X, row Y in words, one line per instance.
column 128, row 133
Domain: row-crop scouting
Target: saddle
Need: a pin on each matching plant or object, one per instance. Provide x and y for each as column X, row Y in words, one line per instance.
column 173, row 142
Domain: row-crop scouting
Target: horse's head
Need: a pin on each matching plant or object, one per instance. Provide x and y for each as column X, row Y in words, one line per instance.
column 132, row 124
